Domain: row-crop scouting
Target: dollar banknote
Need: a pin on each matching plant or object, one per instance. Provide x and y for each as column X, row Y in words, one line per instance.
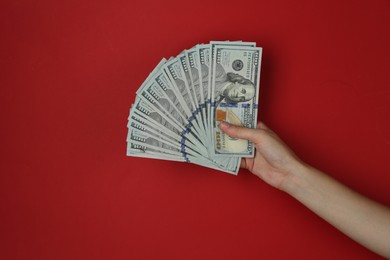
column 179, row 106
column 146, row 141
column 235, row 83
column 212, row 58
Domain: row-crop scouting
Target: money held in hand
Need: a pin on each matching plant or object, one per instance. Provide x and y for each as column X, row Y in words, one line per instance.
column 179, row 107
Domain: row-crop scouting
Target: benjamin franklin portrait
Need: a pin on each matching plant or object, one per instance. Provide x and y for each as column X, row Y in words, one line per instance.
column 231, row 87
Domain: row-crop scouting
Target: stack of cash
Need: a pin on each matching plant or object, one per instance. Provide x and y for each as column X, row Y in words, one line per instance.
column 179, row 107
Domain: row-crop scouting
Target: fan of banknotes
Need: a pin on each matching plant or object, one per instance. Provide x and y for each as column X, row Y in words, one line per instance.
column 179, row 107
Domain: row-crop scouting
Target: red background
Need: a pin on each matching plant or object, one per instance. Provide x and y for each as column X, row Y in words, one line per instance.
column 69, row 72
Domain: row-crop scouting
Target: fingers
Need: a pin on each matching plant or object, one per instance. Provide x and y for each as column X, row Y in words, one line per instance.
column 239, row 132
column 261, row 125
column 243, row 164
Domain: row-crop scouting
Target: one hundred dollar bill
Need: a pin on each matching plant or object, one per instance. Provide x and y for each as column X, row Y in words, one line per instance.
column 212, row 59
column 163, row 122
column 177, row 78
column 141, row 123
column 145, row 141
column 235, row 86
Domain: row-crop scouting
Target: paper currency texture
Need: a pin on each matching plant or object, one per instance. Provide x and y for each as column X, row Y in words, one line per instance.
column 179, row 107
column 234, row 94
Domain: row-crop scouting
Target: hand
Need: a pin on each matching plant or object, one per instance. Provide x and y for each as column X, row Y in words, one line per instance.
column 360, row 218
column 274, row 162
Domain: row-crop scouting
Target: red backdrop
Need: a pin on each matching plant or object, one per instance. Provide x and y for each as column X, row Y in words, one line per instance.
column 69, row 72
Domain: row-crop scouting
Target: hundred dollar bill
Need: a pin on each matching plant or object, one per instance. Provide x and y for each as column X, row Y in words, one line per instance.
column 139, row 136
column 176, row 75
column 150, row 90
column 196, row 80
column 211, row 54
column 189, row 74
column 155, row 96
column 144, row 118
column 163, row 122
column 139, row 122
column 192, row 58
column 154, row 145
column 212, row 59
column 150, row 143
column 235, row 86
column 204, row 64
column 203, row 58
column 134, row 150
column 175, row 98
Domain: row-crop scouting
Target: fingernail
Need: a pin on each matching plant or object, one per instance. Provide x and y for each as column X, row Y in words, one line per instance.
column 223, row 125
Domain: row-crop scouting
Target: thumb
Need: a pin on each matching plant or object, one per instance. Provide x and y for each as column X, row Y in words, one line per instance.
column 250, row 134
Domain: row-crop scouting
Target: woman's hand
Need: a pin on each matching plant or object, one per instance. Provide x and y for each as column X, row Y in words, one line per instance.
column 360, row 218
column 274, row 162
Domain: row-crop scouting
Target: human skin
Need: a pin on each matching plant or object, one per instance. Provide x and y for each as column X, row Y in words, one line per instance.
column 362, row 219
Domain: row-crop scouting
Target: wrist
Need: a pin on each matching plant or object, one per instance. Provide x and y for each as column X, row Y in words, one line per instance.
column 296, row 179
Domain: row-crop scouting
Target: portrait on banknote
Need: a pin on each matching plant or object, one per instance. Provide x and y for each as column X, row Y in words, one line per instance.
column 231, row 87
